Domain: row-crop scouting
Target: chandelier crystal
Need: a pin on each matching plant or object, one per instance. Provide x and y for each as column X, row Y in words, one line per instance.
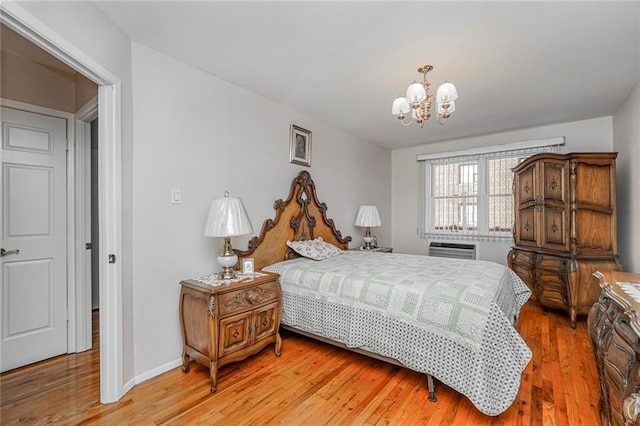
column 417, row 101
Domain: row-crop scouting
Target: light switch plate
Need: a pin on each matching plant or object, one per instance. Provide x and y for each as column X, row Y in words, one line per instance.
column 176, row 196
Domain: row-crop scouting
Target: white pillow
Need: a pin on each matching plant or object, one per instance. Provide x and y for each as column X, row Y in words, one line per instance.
column 314, row 249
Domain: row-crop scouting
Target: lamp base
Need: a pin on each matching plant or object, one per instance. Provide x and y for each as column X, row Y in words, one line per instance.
column 227, row 263
column 227, row 274
column 368, row 239
column 227, row 260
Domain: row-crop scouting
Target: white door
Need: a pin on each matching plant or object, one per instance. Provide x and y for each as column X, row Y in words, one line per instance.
column 33, row 321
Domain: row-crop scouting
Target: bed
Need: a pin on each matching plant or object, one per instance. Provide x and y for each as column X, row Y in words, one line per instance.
column 450, row 319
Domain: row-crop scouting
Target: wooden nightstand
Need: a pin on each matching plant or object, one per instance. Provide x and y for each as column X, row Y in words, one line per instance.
column 376, row 249
column 229, row 322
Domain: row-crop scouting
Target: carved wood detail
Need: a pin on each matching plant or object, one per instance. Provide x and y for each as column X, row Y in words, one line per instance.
column 212, row 306
column 249, row 297
column 613, row 329
column 300, row 217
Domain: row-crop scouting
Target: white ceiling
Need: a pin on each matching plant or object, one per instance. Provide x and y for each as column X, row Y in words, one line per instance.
column 515, row 64
column 13, row 44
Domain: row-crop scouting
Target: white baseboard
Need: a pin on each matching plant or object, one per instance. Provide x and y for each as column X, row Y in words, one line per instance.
column 128, row 386
column 157, row 371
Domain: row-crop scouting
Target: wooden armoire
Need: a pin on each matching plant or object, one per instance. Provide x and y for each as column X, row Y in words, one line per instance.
column 565, row 227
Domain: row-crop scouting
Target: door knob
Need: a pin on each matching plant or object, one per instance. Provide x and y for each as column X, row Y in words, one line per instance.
column 4, row 252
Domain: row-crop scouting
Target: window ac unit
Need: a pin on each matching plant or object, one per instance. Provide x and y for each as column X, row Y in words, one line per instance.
column 454, row 250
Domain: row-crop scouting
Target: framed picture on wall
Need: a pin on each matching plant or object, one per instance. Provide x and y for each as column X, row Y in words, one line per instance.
column 300, row 146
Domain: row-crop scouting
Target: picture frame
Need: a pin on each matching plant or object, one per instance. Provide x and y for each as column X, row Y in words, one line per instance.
column 300, row 146
column 247, row 265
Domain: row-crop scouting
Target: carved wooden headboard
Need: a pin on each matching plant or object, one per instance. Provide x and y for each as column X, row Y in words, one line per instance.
column 300, row 217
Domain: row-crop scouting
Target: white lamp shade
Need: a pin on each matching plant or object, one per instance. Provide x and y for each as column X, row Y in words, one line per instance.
column 368, row 216
column 400, row 105
column 227, row 218
column 447, row 92
column 452, row 107
column 416, row 93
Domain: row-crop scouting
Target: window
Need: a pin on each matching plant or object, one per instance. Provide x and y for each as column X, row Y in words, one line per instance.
column 469, row 195
column 500, row 195
column 455, row 196
column 468, row 174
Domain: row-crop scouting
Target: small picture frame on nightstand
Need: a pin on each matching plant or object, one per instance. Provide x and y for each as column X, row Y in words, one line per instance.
column 247, row 265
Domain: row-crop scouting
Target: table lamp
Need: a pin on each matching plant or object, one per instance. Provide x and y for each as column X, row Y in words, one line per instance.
column 227, row 218
column 368, row 217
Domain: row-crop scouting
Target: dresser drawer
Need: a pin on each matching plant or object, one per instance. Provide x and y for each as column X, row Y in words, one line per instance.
column 525, row 274
column 523, row 258
column 522, row 263
column 551, row 263
column 551, row 284
column 234, row 302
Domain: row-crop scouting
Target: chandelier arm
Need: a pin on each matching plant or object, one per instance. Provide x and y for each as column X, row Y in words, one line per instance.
column 406, row 124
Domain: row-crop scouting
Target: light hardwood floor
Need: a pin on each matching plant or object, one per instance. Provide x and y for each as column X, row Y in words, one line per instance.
column 312, row 384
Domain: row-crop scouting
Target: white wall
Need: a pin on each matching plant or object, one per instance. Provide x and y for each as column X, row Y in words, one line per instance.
column 85, row 27
column 204, row 136
column 626, row 140
column 587, row 135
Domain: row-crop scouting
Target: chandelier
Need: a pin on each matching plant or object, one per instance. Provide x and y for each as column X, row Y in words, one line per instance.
column 418, row 101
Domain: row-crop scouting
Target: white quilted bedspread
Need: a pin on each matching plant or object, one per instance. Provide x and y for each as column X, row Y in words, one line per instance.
column 449, row 318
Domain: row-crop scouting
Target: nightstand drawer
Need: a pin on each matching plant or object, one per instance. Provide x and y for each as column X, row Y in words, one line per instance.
column 237, row 301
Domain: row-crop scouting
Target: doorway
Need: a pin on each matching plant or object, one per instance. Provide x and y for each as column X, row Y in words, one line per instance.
column 112, row 386
column 45, row 314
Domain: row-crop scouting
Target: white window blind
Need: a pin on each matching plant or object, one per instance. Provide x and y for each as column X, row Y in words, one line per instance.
column 468, row 195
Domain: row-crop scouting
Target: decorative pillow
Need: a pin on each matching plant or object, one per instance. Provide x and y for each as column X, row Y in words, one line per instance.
column 314, row 249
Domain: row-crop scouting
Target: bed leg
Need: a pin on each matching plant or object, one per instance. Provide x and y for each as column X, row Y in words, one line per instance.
column 431, row 386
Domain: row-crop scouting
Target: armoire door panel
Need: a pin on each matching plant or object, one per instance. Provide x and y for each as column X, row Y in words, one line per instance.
column 590, row 195
column 593, row 230
column 526, row 230
column 554, row 181
column 555, row 235
column 526, row 182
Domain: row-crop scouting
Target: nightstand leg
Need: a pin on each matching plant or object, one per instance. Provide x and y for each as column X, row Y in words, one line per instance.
column 278, row 344
column 213, row 373
column 574, row 317
column 185, row 362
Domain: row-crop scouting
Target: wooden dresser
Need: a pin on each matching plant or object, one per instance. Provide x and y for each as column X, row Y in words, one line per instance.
column 229, row 322
column 565, row 227
column 614, row 327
